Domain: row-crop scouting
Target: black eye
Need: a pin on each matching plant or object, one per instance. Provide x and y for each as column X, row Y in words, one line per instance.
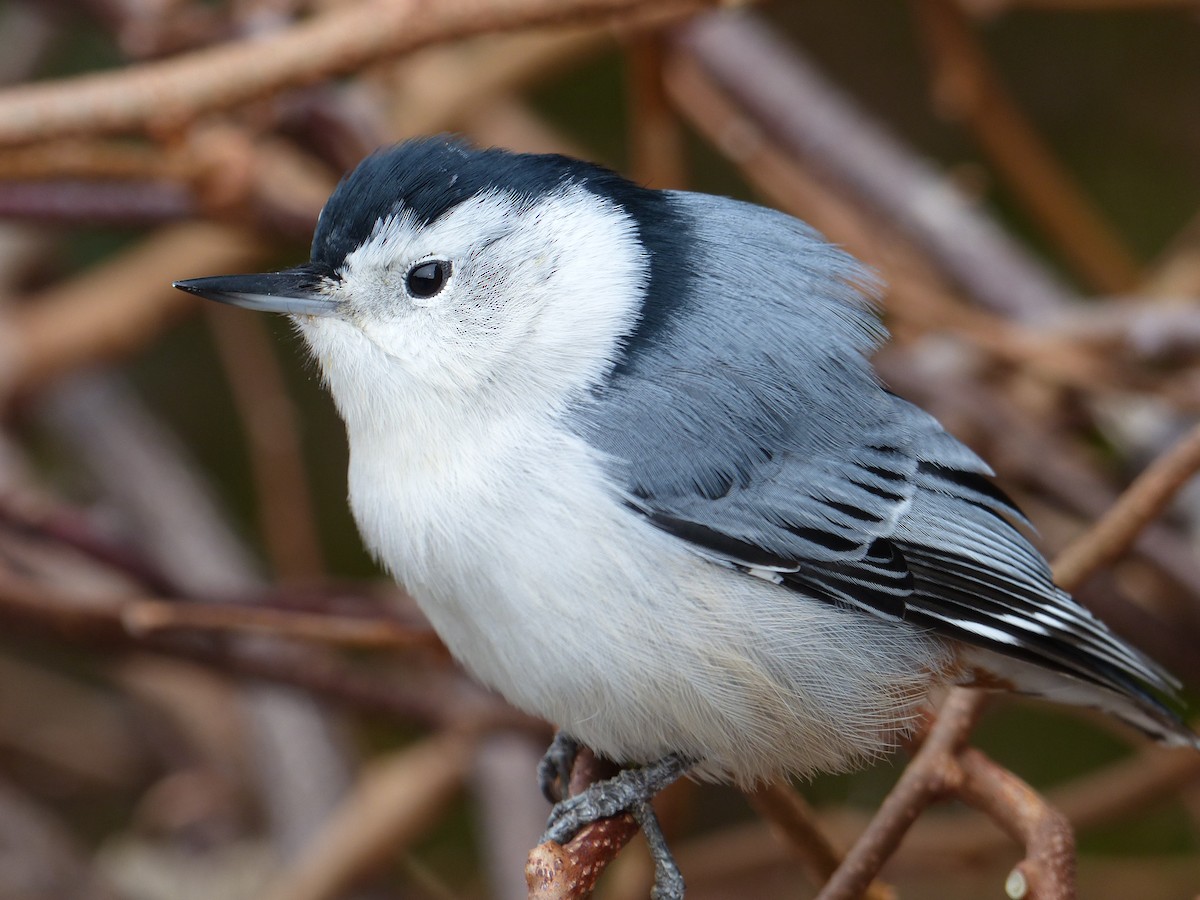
column 427, row 278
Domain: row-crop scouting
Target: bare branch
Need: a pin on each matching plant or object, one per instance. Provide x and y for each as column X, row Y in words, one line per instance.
column 1142, row 502
column 967, row 87
column 164, row 95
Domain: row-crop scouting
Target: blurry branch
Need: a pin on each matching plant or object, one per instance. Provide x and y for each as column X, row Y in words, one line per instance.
column 1177, row 273
column 114, row 307
column 995, row 7
column 442, row 87
column 90, row 158
column 391, row 805
column 33, row 516
column 1140, row 327
column 812, row 121
column 1144, row 500
column 132, row 202
column 793, row 820
column 510, row 815
column 28, row 30
column 141, row 618
column 165, row 95
column 111, row 756
column 429, row 698
column 507, row 122
column 39, row 856
column 656, row 138
column 142, row 471
column 967, row 88
column 287, row 519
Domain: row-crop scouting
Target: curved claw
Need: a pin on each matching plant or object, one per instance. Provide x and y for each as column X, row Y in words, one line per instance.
column 554, row 769
column 629, row 790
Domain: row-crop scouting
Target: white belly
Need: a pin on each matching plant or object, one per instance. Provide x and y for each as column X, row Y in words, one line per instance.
column 548, row 589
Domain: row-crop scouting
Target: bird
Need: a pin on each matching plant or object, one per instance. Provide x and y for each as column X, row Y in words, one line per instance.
column 627, row 450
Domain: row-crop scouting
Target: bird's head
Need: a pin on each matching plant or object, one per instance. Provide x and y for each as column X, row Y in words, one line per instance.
column 460, row 270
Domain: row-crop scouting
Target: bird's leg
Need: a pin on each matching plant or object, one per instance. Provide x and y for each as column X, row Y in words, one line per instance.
column 668, row 880
column 554, row 770
column 629, row 790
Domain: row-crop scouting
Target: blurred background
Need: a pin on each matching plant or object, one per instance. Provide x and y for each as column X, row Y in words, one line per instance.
column 207, row 690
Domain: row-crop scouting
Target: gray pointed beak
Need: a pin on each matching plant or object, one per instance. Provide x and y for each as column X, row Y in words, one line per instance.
column 296, row 292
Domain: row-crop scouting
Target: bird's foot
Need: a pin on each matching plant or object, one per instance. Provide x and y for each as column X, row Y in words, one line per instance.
column 668, row 880
column 631, row 790
column 554, row 770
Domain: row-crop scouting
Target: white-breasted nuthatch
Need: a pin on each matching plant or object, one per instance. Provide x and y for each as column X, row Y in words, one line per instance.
column 626, row 449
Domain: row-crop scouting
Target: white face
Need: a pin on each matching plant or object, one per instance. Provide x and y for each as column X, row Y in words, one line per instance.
column 532, row 306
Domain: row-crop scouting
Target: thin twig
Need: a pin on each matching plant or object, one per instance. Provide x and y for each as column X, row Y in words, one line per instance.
column 793, row 819
column 1142, row 502
column 932, row 775
column 967, row 87
column 656, row 140
column 117, row 305
column 812, row 120
column 269, row 420
column 167, row 94
column 394, row 801
column 145, row 617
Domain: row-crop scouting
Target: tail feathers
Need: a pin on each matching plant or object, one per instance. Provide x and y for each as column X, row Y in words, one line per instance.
column 1136, row 707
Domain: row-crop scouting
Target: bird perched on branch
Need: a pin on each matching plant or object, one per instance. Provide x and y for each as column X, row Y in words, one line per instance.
column 626, row 449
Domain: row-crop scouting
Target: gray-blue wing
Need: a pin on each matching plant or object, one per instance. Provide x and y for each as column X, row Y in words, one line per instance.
column 744, row 417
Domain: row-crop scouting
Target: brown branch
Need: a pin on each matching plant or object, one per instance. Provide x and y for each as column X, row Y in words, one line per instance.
column 966, row 87
column 90, row 159
column 269, row 420
column 813, row 121
column 931, row 776
column 394, row 801
column 1048, row 870
column 1141, row 502
column 570, row 871
column 146, row 617
column 136, row 202
column 656, row 141
column 170, row 93
column 996, row 7
column 792, row 819
column 1106, row 795
column 426, row 696
column 114, row 307
column 34, row 516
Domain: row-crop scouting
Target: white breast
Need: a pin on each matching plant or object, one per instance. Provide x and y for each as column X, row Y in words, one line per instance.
column 548, row 589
